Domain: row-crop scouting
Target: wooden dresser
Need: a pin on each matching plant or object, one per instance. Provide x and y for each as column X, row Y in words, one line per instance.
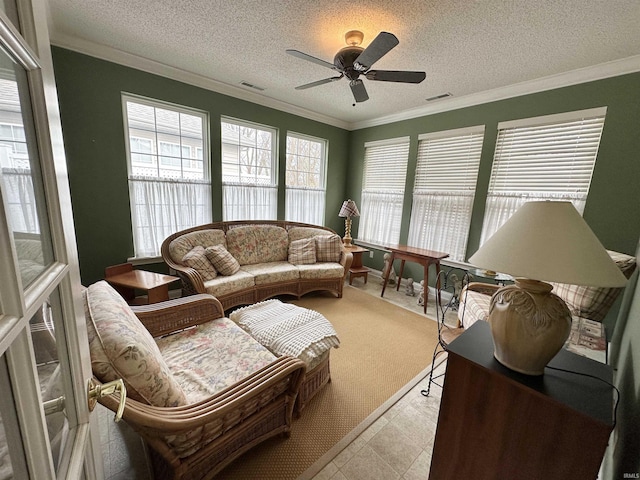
column 496, row 423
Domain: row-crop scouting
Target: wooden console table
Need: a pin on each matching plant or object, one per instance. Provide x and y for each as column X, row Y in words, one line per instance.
column 155, row 284
column 418, row 255
column 357, row 269
column 497, row 423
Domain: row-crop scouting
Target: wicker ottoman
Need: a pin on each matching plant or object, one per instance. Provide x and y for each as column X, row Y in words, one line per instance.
column 287, row 329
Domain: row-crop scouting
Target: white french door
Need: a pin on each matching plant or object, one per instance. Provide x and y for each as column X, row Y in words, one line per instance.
column 45, row 423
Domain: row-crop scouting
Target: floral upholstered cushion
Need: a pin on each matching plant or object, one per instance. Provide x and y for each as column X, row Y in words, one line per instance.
column 179, row 247
column 251, row 244
column 302, row 252
column 272, row 272
column 296, row 233
column 328, row 248
column 320, row 270
column 198, row 260
column 212, row 356
column 222, row 260
column 121, row 347
column 223, row 285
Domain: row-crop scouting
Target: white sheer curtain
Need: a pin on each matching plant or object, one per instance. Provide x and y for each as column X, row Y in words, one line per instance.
column 162, row 207
column 500, row 207
column 305, row 205
column 380, row 217
column 20, row 199
column 249, row 202
column 440, row 221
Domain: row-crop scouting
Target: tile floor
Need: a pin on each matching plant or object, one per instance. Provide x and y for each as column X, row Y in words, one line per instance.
column 396, row 446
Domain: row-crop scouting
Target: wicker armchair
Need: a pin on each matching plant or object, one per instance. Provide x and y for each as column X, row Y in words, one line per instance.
column 197, row 440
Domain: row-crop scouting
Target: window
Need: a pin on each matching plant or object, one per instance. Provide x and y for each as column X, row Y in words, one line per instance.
column 444, row 189
column 305, row 179
column 169, row 184
column 249, row 174
column 385, row 171
column 16, row 177
column 550, row 157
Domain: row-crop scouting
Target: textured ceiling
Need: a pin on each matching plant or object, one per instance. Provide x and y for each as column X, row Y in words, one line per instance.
column 464, row 46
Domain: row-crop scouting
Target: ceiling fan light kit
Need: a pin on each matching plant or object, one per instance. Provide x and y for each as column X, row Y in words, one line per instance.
column 353, row 61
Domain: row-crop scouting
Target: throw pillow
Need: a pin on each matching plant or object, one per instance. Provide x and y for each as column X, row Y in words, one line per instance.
column 328, row 248
column 302, row 252
column 197, row 260
column 222, row 260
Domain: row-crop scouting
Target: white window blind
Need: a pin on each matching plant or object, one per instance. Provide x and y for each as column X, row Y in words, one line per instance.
column 169, row 184
column 305, row 179
column 384, row 178
column 444, row 189
column 249, row 173
column 543, row 158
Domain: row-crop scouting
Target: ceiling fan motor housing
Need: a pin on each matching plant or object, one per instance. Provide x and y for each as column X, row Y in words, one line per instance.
column 344, row 61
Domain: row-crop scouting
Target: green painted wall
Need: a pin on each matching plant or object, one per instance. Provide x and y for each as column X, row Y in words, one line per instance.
column 89, row 92
column 613, row 204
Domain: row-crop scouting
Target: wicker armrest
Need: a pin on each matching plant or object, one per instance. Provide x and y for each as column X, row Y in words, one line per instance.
column 174, row 315
column 485, row 288
column 346, row 259
column 283, row 375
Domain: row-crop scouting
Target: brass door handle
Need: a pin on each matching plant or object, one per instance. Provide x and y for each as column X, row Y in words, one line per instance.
column 96, row 391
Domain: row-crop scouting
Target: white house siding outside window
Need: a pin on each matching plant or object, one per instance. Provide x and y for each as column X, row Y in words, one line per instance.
column 305, row 179
column 15, row 168
column 383, row 183
column 444, row 189
column 249, row 173
column 542, row 158
column 169, row 182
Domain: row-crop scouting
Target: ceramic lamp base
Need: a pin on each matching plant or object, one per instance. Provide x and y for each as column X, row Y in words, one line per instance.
column 529, row 325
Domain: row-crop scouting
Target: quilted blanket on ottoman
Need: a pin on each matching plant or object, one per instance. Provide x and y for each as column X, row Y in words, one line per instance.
column 287, row 329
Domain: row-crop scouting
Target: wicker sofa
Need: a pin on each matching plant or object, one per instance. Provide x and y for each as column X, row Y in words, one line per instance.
column 200, row 390
column 244, row 262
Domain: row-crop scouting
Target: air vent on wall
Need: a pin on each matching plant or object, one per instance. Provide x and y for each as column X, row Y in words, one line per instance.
column 439, row 97
column 251, row 85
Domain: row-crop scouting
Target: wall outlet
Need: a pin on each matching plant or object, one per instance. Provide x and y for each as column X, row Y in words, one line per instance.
column 370, row 254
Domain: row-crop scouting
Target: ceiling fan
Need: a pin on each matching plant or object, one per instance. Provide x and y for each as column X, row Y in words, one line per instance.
column 353, row 61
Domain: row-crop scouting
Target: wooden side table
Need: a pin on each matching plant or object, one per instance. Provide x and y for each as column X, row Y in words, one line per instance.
column 357, row 269
column 155, row 284
column 421, row 256
column 497, row 423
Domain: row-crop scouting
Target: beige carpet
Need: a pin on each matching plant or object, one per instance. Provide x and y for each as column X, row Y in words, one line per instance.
column 383, row 347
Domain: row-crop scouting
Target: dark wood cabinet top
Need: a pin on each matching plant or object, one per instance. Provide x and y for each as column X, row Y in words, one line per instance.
column 575, row 388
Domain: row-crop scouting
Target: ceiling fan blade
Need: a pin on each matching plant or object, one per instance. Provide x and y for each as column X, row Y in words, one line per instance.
column 380, row 46
column 404, row 76
column 318, row 82
column 309, row 58
column 358, row 90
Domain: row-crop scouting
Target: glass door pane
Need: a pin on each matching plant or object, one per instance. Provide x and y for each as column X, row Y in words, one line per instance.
column 20, row 173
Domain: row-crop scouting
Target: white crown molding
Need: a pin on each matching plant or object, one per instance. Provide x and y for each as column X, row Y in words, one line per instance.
column 151, row 66
column 574, row 77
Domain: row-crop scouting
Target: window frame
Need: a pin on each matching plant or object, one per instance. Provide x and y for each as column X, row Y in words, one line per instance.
column 460, row 149
column 494, row 215
column 239, row 189
column 289, row 190
column 375, row 228
column 170, row 189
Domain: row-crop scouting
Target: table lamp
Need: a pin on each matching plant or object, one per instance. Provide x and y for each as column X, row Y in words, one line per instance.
column 349, row 209
column 545, row 241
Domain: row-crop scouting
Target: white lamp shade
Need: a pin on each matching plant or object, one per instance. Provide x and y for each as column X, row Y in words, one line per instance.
column 549, row 241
